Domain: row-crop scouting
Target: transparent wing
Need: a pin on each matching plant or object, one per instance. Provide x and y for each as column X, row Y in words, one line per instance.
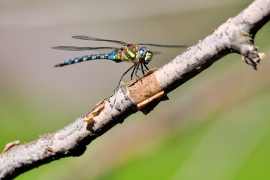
column 156, row 52
column 75, row 48
column 98, row 39
column 160, row 45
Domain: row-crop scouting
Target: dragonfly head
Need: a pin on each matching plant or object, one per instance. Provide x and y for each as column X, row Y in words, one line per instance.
column 144, row 54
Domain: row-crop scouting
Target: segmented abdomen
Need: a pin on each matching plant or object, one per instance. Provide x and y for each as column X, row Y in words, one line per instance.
column 111, row 56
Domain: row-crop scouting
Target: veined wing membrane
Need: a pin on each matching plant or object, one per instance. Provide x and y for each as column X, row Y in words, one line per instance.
column 76, row 48
column 160, row 45
column 156, row 52
column 98, row 39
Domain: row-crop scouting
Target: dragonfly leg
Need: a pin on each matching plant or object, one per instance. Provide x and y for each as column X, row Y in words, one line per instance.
column 135, row 65
column 145, row 66
column 142, row 68
column 136, row 70
column 125, row 74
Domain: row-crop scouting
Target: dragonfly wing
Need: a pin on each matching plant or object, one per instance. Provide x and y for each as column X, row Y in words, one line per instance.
column 156, row 52
column 75, row 48
column 160, row 45
column 98, row 39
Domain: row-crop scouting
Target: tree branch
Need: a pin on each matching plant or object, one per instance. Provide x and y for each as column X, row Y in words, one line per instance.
column 234, row 36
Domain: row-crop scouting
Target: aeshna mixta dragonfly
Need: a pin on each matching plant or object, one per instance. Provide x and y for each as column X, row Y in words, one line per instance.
column 137, row 53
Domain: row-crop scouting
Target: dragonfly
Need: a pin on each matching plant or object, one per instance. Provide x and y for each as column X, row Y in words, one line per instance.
column 137, row 53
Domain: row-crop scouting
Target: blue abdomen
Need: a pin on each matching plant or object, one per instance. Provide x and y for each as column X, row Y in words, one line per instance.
column 110, row 56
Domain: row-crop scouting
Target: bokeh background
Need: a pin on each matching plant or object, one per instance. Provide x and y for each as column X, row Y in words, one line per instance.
column 215, row 126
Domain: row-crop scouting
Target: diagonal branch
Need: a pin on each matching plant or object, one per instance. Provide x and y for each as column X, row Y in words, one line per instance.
column 234, row 36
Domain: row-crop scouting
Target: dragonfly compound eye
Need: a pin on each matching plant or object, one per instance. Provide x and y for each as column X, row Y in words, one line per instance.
column 145, row 54
column 148, row 57
column 142, row 51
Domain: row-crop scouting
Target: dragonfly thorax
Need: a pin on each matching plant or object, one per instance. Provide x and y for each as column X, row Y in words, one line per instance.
column 144, row 54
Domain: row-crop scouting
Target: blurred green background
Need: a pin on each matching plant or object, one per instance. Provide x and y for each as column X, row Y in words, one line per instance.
column 215, row 126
